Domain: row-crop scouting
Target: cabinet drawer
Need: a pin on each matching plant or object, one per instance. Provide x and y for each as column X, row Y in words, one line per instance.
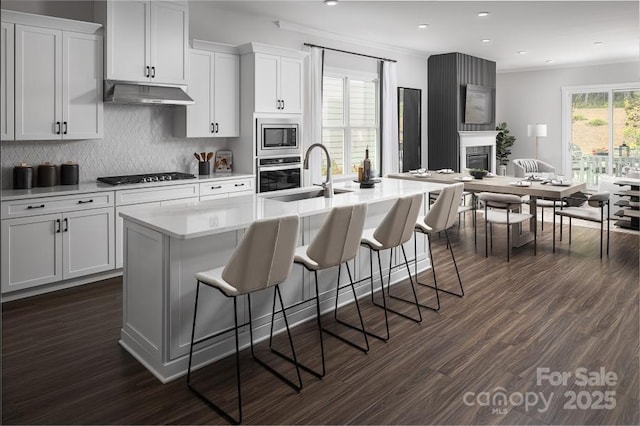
column 61, row 204
column 145, row 195
column 226, row 186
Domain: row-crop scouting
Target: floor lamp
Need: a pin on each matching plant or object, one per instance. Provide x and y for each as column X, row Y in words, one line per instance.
column 537, row 130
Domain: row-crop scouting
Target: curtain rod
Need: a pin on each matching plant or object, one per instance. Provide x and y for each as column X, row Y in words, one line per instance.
column 351, row 53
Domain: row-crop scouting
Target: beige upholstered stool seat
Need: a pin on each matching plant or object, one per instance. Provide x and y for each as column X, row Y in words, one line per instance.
column 336, row 243
column 440, row 218
column 394, row 230
column 262, row 259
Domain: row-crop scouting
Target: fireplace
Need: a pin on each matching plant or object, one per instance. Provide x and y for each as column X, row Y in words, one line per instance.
column 477, row 150
column 478, row 157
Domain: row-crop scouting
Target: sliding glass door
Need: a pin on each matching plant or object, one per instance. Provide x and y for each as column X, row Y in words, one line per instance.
column 603, row 131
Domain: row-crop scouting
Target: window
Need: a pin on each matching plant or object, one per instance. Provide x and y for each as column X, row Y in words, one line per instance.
column 603, row 130
column 350, row 121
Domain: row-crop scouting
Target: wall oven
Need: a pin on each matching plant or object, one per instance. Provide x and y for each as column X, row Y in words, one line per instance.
column 276, row 173
column 277, row 136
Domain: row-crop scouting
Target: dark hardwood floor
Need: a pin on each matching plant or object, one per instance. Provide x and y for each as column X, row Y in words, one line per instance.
column 61, row 362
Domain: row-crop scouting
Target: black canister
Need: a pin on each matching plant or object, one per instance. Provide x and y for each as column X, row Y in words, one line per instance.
column 69, row 172
column 46, row 174
column 22, row 176
column 204, row 168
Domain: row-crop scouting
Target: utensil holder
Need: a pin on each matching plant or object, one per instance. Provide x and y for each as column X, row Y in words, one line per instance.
column 204, row 168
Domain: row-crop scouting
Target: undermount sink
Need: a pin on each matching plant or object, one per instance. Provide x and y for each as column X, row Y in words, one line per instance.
column 297, row 196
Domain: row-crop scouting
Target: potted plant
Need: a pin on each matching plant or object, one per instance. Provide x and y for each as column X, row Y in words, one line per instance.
column 504, row 141
column 478, row 173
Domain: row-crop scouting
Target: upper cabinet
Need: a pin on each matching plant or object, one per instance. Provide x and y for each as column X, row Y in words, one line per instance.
column 58, row 78
column 214, row 86
column 6, row 76
column 272, row 77
column 147, row 41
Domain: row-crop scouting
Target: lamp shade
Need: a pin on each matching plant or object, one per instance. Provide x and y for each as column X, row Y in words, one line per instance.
column 537, row 130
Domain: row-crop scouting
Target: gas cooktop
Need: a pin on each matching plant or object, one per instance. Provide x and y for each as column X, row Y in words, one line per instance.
column 145, row 178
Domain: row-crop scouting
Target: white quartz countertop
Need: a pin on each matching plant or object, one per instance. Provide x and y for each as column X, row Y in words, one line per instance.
column 204, row 218
column 86, row 187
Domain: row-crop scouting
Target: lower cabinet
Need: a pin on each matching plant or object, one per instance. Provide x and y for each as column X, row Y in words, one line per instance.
column 43, row 249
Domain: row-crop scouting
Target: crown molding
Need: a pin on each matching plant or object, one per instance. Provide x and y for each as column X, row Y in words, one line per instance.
column 290, row 26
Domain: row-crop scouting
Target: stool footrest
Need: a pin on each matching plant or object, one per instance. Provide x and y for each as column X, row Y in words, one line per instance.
column 440, row 290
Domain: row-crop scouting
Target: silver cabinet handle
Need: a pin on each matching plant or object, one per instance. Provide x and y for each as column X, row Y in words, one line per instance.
column 41, row 206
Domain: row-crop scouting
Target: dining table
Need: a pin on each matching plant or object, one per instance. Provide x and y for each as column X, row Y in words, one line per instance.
column 535, row 188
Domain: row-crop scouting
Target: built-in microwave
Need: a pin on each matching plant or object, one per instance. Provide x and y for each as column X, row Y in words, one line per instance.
column 277, row 136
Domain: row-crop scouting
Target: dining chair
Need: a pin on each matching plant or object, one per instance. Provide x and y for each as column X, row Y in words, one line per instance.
column 593, row 212
column 394, row 230
column 441, row 217
column 262, row 259
column 504, row 211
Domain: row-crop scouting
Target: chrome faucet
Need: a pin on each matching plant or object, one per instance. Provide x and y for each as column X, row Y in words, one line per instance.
column 328, row 184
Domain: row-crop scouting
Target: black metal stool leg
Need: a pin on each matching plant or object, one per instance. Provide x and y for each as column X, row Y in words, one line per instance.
column 419, row 319
column 384, row 301
column 206, row 400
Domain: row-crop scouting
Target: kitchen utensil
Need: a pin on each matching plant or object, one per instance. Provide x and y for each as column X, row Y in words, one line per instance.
column 69, row 172
column 195, row 154
column 22, row 176
column 204, row 168
column 209, row 156
column 46, row 174
column 203, row 156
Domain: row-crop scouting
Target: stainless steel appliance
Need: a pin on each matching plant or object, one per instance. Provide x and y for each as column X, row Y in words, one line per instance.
column 278, row 136
column 276, row 173
column 145, row 178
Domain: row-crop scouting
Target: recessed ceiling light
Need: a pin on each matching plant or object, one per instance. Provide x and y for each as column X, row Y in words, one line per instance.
column 549, row 61
column 598, row 43
column 484, row 13
column 522, row 52
column 423, row 26
column 486, row 40
column 330, row 2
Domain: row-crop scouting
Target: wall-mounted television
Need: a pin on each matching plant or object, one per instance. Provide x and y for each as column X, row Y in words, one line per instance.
column 478, row 105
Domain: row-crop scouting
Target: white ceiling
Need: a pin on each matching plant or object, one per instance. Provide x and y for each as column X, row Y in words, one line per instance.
column 563, row 32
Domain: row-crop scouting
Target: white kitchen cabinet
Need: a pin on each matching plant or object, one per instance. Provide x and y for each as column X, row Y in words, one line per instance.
column 58, row 81
column 278, row 84
column 225, row 189
column 214, row 85
column 147, row 41
column 7, row 81
column 45, row 248
column 129, row 200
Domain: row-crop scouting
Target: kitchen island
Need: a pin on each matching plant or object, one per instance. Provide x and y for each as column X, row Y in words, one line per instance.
column 165, row 246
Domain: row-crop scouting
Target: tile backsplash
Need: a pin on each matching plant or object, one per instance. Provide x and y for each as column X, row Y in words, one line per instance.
column 137, row 139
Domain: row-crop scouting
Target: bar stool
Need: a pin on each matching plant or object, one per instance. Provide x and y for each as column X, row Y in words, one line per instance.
column 394, row 230
column 441, row 217
column 262, row 259
column 336, row 243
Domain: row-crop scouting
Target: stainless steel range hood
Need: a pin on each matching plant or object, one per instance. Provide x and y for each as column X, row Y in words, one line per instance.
column 130, row 93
